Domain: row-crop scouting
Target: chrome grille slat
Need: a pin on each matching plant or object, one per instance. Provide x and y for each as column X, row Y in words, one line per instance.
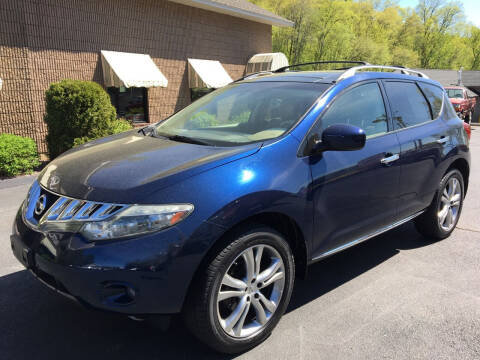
column 85, row 211
column 71, row 210
column 66, row 209
column 56, row 209
column 102, row 212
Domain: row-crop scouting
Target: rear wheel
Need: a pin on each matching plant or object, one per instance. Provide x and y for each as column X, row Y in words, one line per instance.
column 440, row 219
column 242, row 294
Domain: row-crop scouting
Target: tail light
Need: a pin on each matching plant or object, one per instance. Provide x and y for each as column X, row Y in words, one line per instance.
column 468, row 129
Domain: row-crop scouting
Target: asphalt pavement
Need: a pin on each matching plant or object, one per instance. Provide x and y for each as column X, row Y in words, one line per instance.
column 396, row 296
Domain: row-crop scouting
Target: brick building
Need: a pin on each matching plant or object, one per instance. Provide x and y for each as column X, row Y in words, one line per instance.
column 44, row 41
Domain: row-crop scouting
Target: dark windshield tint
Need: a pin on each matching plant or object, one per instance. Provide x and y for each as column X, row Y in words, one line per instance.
column 243, row 113
column 434, row 96
column 409, row 106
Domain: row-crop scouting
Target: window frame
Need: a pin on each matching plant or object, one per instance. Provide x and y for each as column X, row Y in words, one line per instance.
column 395, row 129
column 440, row 113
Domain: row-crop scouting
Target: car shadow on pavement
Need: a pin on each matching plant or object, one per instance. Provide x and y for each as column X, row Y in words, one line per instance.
column 39, row 324
column 328, row 274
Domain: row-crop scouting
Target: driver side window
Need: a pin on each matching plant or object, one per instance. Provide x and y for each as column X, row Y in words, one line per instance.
column 361, row 106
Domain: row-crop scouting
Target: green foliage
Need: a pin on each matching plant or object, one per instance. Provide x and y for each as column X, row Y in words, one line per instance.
column 18, row 155
column 117, row 126
column 431, row 35
column 78, row 111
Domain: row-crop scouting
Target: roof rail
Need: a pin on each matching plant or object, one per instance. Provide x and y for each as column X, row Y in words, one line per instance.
column 352, row 71
column 283, row 69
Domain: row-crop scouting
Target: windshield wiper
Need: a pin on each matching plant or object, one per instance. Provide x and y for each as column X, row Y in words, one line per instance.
column 183, row 138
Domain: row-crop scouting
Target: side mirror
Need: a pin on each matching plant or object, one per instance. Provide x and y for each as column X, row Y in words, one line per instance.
column 338, row 137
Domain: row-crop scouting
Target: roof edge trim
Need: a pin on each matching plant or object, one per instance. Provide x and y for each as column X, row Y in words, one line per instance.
column 233, row 11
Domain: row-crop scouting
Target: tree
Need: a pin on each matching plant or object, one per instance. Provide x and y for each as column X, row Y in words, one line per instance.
column 436, row 17
column 473, row 42
column 431, row 35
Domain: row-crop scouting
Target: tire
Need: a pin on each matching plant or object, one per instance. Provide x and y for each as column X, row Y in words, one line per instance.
column 468, row 117
column 431, row 223
column 208, row 321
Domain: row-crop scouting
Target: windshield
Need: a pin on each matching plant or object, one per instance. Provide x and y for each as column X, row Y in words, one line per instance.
column 242, row 113
column 455, row 93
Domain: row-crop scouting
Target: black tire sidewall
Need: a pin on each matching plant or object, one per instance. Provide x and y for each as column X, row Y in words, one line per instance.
column 264, row 236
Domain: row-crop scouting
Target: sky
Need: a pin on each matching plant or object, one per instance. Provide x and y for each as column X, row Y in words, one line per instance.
column 471, row 7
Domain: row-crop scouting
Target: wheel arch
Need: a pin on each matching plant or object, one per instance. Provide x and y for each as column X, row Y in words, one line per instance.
column 462, row 166
column 280, row 222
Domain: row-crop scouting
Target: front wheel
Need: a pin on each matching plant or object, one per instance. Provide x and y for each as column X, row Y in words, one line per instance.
column 241, row 295
column 440, row 219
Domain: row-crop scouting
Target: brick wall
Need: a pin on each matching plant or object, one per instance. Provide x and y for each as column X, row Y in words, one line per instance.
column 43, row 41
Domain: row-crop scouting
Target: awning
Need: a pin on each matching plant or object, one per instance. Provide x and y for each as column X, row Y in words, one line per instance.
column 130, row 70
column 266, row 62
column 207, row 74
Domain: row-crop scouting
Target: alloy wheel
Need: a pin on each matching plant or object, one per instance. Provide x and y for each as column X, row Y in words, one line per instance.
column 449, row 204
column 250, row 291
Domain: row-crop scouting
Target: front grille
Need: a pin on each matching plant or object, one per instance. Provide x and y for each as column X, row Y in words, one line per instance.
column 57, row 208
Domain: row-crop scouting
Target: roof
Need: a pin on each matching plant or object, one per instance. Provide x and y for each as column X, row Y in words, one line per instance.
column 298, row 76
column 449, row 78
column 328, row 77
column 239, row 8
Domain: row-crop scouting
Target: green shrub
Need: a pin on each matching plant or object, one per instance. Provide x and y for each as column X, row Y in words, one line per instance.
column 78, row 111
column 118, row 126
column 18, row 155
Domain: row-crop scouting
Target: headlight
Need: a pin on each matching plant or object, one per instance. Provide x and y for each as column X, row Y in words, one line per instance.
column 135, row 220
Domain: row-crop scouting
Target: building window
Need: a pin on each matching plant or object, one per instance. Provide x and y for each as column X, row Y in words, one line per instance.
column 130, row 103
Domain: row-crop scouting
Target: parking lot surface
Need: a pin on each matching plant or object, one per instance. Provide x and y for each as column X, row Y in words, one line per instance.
column 397, row 296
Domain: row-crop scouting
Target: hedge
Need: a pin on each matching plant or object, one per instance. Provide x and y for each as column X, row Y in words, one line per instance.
column 77, row 112
column 18, row 155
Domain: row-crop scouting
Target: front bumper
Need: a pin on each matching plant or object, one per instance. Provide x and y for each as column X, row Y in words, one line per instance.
column 140, row 276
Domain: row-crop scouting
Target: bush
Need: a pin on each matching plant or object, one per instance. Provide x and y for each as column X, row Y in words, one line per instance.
column 18, row 155
column 117, row 126
column 77, row 112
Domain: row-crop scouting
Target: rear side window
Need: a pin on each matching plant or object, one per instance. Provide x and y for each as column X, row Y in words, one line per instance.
column 434, row 96
column 409, row 106
column 449, row 110
column 361, row 106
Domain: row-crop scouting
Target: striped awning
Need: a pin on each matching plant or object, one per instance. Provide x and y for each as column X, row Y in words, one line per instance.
column 208, row 74
column 266, row 62
column 130, row 70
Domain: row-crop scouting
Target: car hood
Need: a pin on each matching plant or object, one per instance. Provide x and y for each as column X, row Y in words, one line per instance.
column 456, row 101
column 126, row 168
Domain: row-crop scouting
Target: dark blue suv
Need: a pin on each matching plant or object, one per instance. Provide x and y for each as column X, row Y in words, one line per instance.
column 214, row 211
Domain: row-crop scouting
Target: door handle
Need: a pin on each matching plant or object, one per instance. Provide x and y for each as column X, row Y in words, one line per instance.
column 387, row 160
column 443, row 140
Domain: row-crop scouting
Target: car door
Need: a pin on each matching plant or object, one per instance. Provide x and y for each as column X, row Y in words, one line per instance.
column 422, row 134
column 354, row 192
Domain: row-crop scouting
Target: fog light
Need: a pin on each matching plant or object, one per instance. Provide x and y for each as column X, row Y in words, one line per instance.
column 118, row 293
